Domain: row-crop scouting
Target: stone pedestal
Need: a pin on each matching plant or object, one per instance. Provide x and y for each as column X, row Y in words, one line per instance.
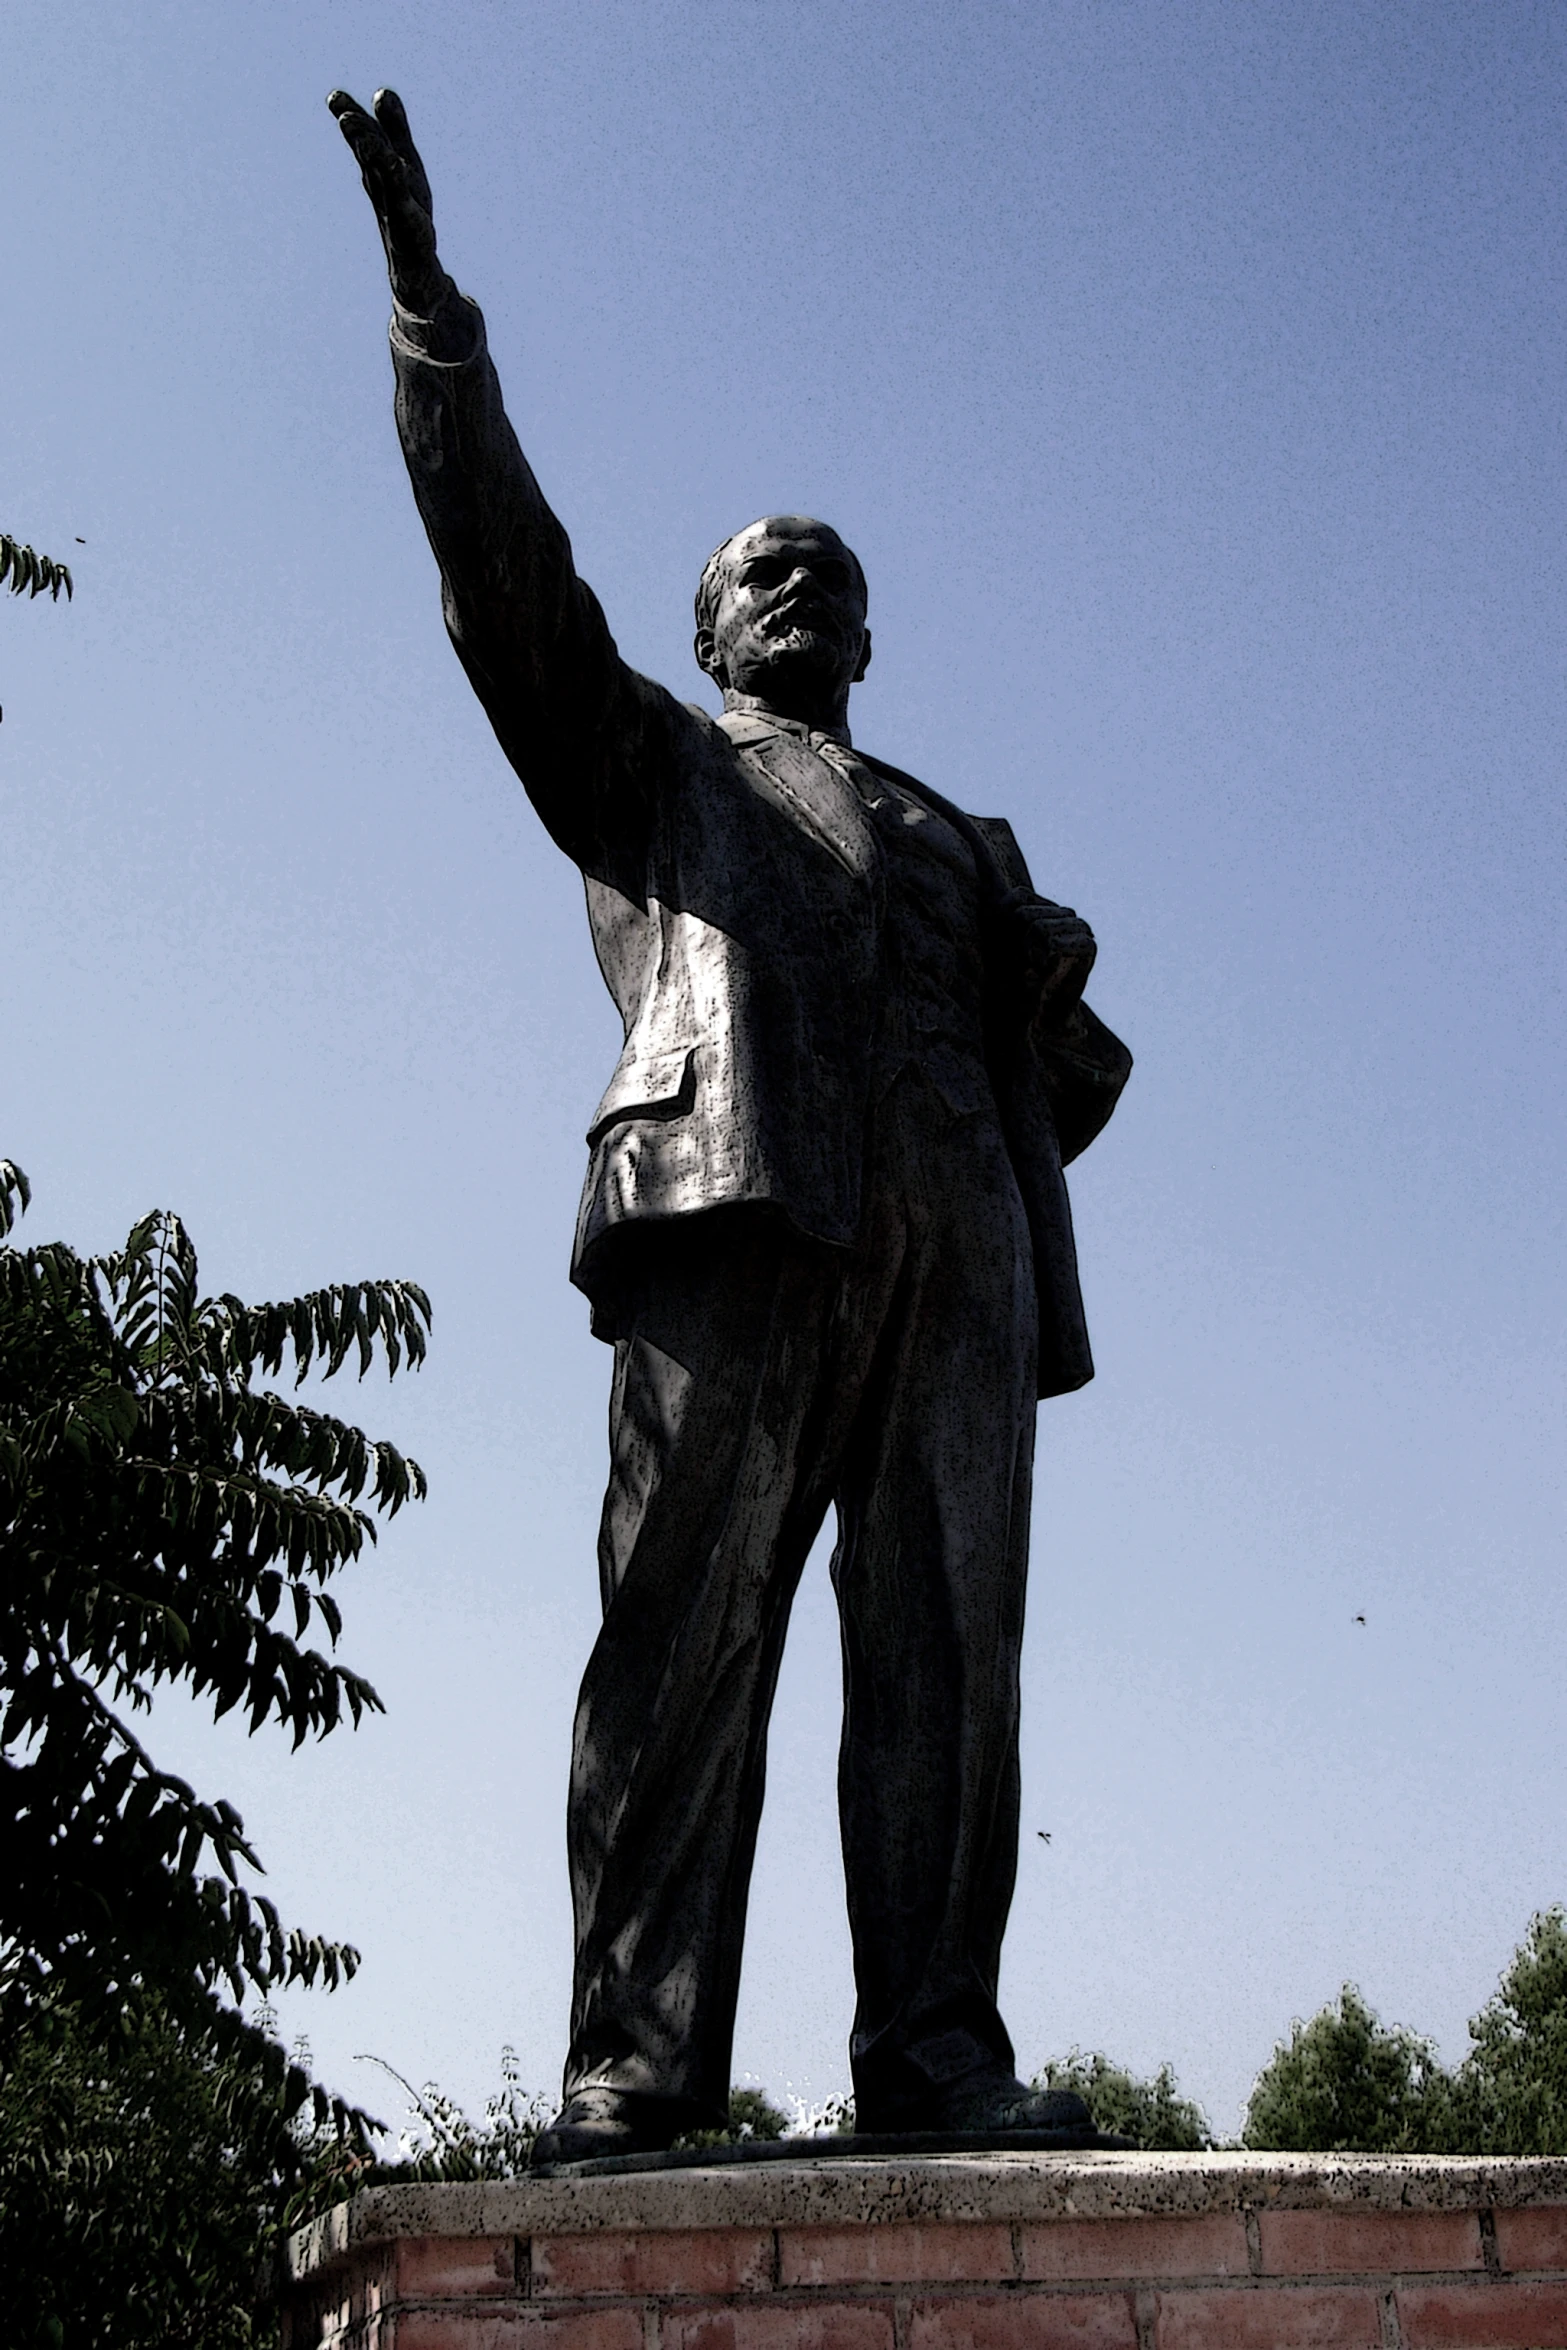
column 1100, row 2251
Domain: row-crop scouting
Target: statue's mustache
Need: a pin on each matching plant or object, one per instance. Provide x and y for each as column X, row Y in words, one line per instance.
column 801, row 620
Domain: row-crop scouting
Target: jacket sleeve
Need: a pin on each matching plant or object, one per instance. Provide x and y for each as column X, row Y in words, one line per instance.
column 591, row 740
column 1082, row 1067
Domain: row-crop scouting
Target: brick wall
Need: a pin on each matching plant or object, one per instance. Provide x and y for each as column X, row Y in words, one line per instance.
column 958, row 2254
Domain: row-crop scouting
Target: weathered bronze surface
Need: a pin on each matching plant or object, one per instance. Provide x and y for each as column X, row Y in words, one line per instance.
column 826, row 1231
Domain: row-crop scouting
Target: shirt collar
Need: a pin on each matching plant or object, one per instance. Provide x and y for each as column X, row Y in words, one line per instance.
column 752, row 706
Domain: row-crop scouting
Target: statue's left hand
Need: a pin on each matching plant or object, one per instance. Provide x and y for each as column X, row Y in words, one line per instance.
column 399, row 188
column 1056, row 951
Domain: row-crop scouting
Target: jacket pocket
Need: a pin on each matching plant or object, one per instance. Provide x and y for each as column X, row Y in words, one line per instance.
column 656, row 1085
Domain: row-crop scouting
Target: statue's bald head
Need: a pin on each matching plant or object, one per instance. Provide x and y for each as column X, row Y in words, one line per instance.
column 780, row 618
column 777, row 526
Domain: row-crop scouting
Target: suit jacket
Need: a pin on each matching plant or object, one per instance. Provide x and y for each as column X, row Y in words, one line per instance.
column 735, row 889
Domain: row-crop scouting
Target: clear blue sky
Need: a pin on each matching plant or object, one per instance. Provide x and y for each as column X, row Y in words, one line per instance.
column 1190, row 379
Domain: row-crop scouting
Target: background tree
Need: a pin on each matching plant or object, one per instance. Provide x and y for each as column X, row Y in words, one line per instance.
column 1152, row 2112
column 1345, row 2081
column 1509, row 2095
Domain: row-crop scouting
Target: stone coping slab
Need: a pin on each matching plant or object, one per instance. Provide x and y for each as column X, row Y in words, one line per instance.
column 840, row 2149
column 962, row 2188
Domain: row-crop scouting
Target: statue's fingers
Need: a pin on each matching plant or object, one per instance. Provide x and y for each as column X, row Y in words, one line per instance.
column 363, row 133
column 379, row 162
column 357, row 124
column 392, row 116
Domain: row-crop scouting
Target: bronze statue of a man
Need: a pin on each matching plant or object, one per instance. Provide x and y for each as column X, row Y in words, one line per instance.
column 826, row 1231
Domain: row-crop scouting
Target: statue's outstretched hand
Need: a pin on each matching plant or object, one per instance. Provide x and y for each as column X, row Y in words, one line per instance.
column 397, row 185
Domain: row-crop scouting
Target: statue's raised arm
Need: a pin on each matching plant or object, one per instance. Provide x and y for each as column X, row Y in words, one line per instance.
column 590, row 739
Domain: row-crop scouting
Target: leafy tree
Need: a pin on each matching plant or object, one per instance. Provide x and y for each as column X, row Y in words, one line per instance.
column 1345, row 2081
column 160, row 1510
column 1150, row 2112
column 30, row 573
column 1509, row 2095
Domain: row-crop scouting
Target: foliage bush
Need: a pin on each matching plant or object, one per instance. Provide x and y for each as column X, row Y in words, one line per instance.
column 441, row 2141
column 146, row 2175
column 752, row 2114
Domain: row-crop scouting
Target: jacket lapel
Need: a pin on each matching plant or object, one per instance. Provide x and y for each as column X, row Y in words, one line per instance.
column 996, row 852
column 785, row 768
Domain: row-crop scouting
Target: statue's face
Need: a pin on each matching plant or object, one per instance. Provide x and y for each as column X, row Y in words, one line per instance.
column 790, row 620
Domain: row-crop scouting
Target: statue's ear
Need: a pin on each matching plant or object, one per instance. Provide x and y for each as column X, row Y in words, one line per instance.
column 705, row 646
column 865, row 658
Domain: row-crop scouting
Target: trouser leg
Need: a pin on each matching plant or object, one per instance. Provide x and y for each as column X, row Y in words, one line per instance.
column 714, row 1498
column 757, row 1376
column 930, row 1569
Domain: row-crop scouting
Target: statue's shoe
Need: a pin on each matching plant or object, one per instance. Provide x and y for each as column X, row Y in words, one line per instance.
column 596, row 2122
column 990, row 2104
